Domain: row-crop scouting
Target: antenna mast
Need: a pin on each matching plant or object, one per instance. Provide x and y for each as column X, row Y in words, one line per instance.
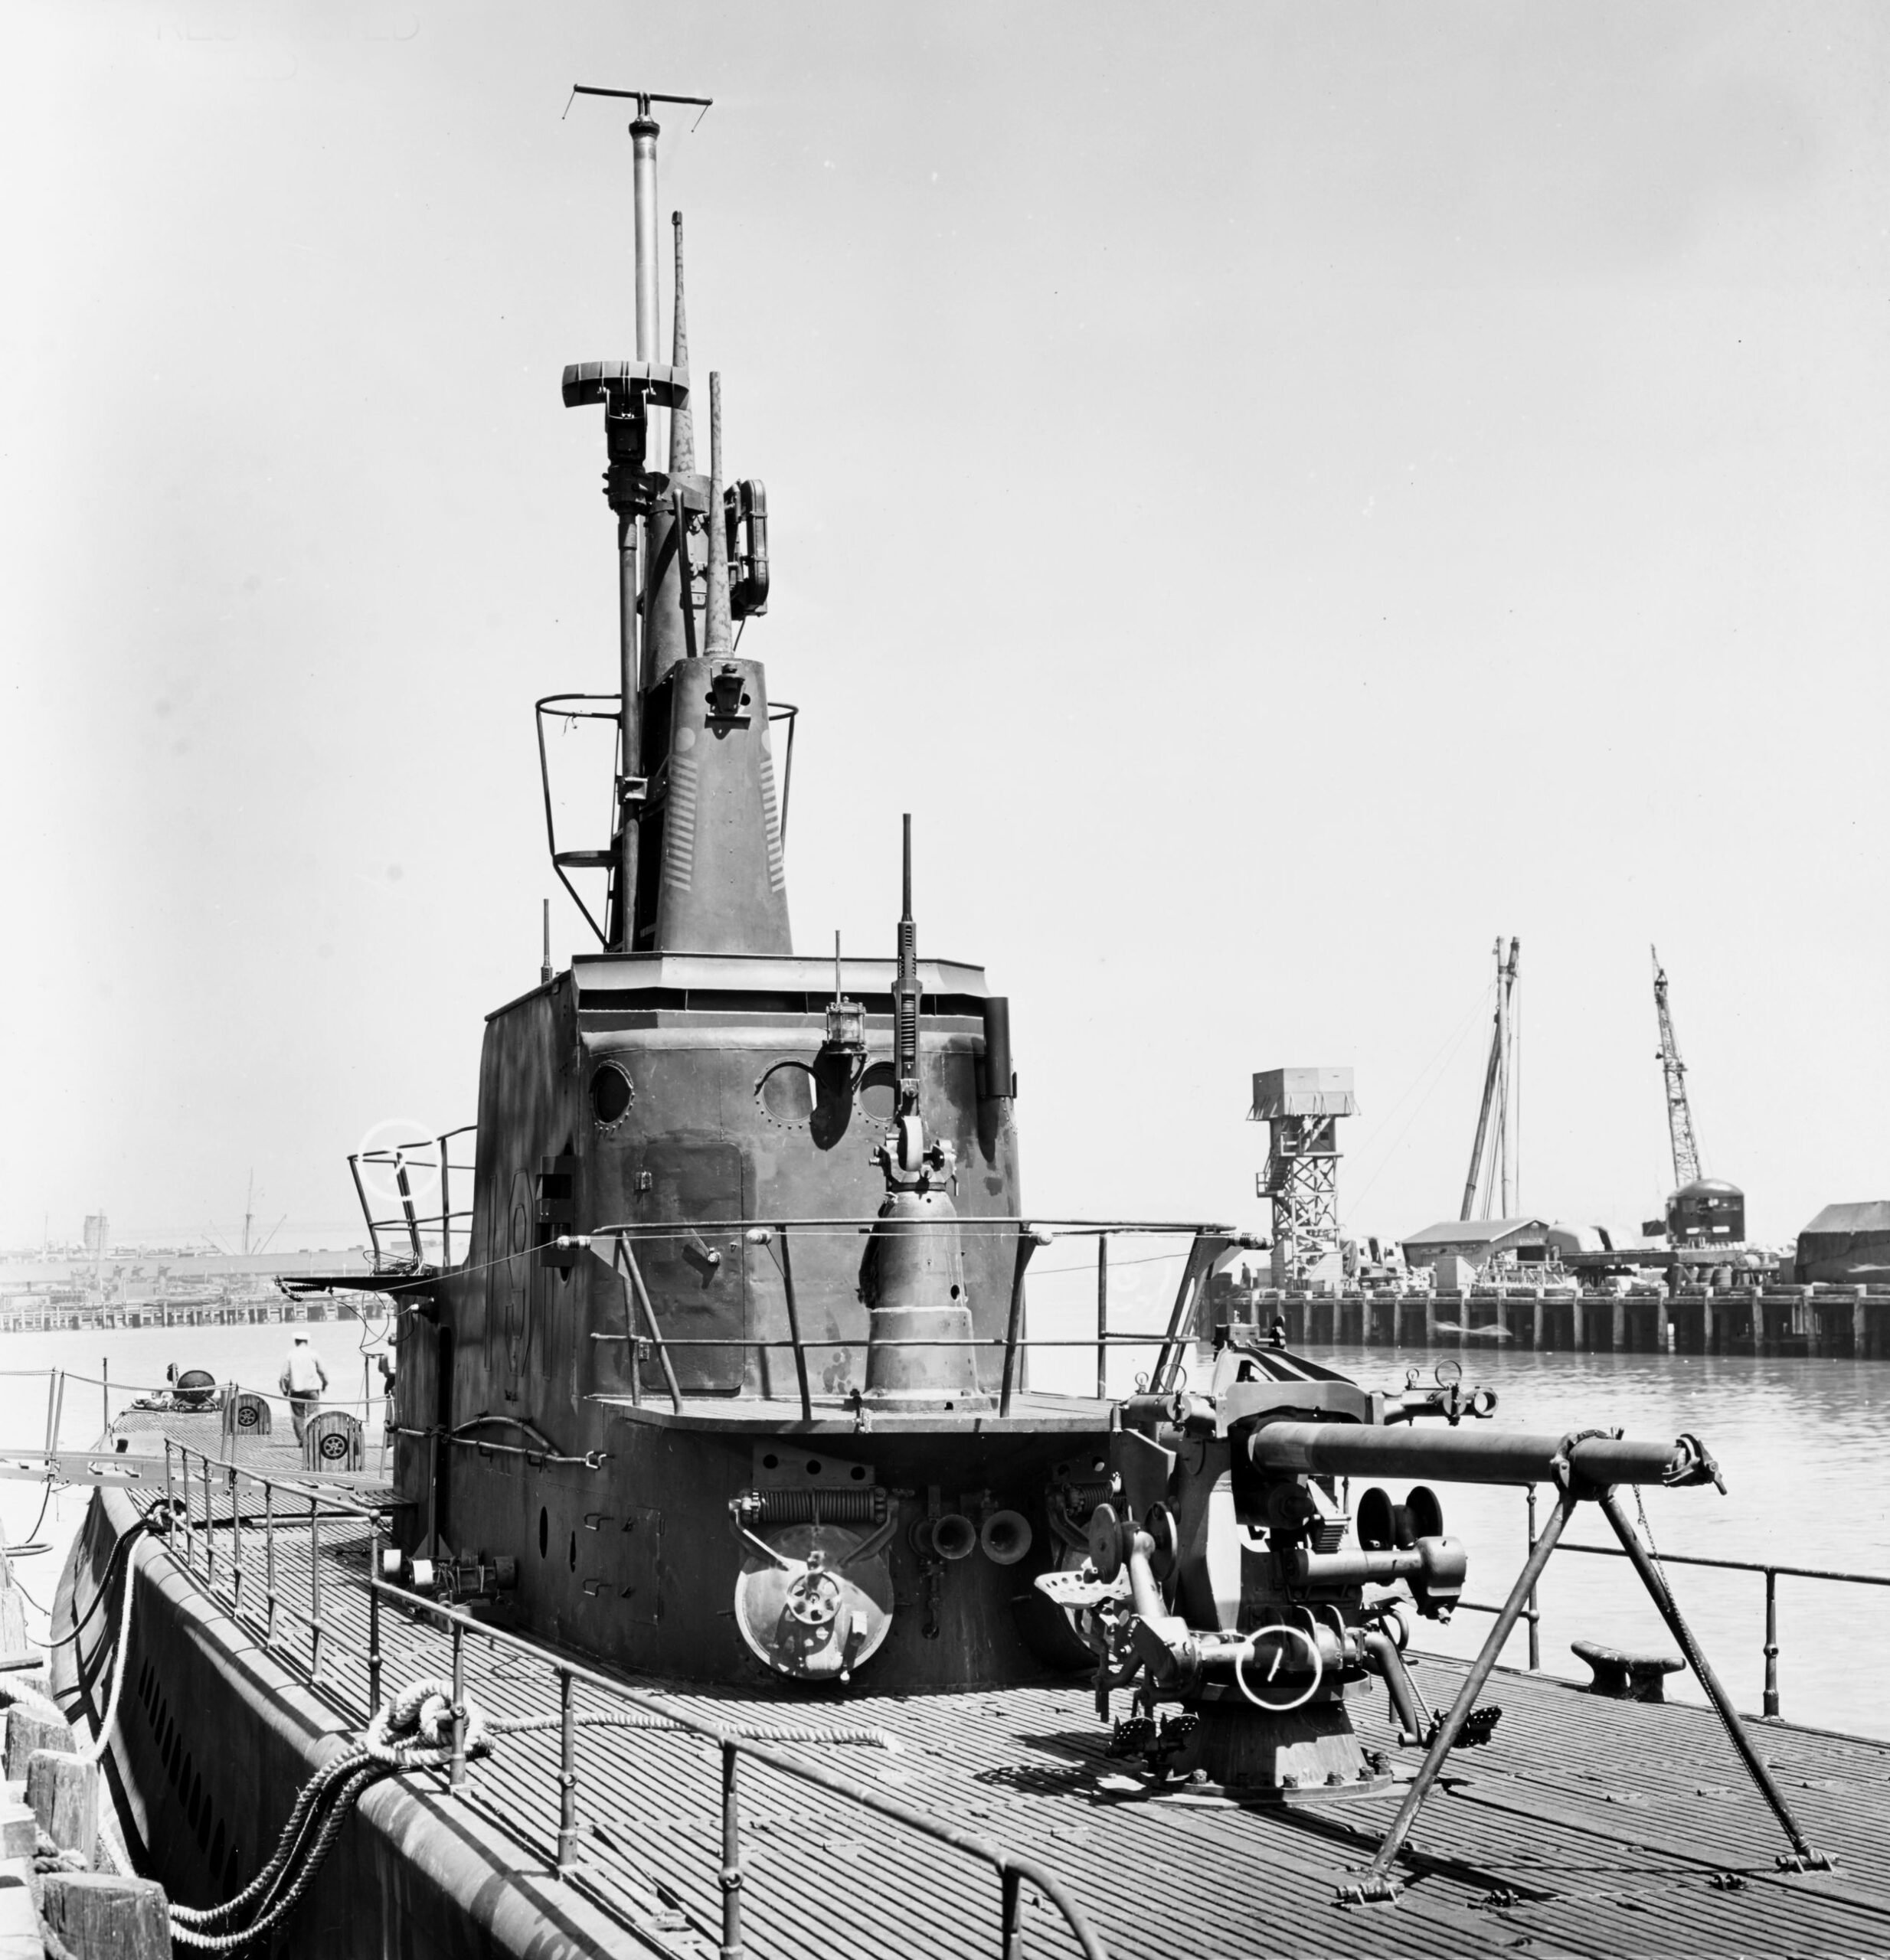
column 628, row 391
column 1686, row 1148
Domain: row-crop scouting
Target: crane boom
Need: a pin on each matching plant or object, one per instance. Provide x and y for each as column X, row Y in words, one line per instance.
column 1496, row 1090
column 1673, row 1071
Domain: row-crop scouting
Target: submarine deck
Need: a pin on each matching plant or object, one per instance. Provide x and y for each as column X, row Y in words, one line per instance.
column 1588, row 1826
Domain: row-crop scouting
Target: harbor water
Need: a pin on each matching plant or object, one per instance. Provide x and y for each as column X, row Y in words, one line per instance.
column 1796, row 1440
column 109, row 1368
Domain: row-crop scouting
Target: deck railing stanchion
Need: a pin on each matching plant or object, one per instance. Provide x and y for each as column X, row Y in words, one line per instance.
column 1102, row 1316
column 1027, row 1243
column 793, row 1331
column 567, row 1773
column 210, row 1520
column 455, row 1773
column 1012, row 1915
column 1770, row 1704
column 649, row 1320
column 731, row 1946
column 170, row 1491
column 314, row 1588
column 445, row 1207
column 269, row 1566
column 374, row 1615
column 235, row 1547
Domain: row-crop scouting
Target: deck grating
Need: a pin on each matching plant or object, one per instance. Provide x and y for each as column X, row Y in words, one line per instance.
column 1622, row 1812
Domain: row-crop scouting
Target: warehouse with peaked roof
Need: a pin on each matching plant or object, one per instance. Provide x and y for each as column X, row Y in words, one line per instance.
column 1479, row 1241
column 1847, row 1245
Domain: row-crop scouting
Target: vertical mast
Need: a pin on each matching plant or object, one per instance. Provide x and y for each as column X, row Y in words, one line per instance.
column 643, row 134
column 717, row 635
column 681, row 418
column 906, row 992
column 1496, row 1103
column 644, row 131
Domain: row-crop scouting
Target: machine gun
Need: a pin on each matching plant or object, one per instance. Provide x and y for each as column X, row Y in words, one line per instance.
column 1218, row 1575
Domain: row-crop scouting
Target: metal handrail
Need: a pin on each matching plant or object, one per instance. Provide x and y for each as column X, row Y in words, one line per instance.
column 228, row 1475
column 1772, row 1575
column 1771, row 1571
column 412, row 1222
column 624, row 1236
column 1013, row 1871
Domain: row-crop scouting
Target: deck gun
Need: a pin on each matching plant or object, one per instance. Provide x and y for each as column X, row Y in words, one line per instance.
column 1219, row 1576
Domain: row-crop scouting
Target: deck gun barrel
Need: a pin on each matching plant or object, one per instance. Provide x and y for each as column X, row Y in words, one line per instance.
column 1463, row 1455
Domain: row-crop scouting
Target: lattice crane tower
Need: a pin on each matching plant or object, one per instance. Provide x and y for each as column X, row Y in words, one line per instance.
column 1301, row 1109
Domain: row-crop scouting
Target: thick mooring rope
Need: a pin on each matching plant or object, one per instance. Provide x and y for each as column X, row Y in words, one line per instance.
column 414, row 1731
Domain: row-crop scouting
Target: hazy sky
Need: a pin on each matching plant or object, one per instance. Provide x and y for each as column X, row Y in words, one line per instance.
column 1325, row 485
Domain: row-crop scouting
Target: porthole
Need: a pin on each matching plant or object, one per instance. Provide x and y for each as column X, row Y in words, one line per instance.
column 877, row 1092
column 544, row 1531
column 612, row 1093
column 813, row 1466
column 787, row 1094
column 858, row 1473
column 770, row 1461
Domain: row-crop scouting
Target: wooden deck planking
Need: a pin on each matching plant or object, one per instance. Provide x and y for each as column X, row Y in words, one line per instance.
column 1175, row 1874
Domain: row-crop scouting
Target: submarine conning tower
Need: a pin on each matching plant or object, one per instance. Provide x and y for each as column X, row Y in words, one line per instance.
column 730, row 1367
column 693, row 1072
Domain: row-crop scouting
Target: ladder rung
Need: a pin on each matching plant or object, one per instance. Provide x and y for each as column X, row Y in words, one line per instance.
column 587, row 861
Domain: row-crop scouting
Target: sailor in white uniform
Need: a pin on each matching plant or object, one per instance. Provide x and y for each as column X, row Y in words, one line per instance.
column 303, row 1380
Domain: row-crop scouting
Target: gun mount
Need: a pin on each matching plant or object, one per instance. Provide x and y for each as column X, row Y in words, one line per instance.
column 1217, row 1576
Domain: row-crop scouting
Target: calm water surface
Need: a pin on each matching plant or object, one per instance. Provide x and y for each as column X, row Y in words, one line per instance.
column 1801, row 1445
column 135, row 1359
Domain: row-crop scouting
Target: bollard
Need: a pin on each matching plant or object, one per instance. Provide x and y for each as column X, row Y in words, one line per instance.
column 26, row 1733
column 63, row 1792
column 98, row 1917
column 19, row 1831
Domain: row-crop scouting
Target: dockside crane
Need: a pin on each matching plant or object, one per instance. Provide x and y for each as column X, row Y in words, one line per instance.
column 1701, row 1210
column 1496, row 1104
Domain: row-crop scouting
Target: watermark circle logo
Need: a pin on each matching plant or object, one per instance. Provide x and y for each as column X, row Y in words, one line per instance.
column 393, row 1149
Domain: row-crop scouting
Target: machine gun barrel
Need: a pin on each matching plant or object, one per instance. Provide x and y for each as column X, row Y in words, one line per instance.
column 1463, row 1455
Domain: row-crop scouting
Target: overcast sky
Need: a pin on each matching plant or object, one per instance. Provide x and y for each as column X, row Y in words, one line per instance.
column 1283, row 494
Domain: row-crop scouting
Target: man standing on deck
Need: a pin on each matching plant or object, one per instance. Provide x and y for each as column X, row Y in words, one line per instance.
column 303, row 1380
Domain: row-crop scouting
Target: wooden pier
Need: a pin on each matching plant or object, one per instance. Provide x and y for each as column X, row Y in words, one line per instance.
column 25, row 1313
column 1820, row 1323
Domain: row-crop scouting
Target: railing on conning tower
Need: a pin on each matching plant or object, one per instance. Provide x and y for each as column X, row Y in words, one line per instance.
column 1209, row 1243
column 258, row 1596
column 571, row 709
column 409, row 1228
